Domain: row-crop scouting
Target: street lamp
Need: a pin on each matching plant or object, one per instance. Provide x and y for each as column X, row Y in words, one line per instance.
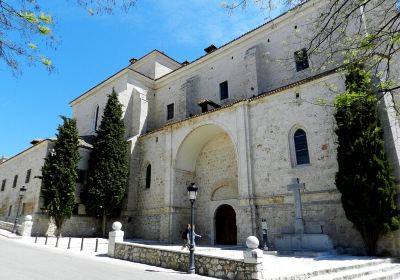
column 21, row 196
column 192, row 193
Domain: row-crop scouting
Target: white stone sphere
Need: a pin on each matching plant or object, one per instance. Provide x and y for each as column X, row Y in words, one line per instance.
column 252, row 242
column 28, row 218
column 116, row 226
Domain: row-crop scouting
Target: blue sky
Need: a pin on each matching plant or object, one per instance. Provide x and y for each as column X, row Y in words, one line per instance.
column 91, row 48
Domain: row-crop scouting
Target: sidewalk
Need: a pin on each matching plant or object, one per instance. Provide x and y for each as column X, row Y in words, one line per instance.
column 274, row 265
column 9, row 235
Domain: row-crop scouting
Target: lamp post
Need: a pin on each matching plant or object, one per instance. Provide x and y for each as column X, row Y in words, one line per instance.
column 21, row 196
column 192, row 193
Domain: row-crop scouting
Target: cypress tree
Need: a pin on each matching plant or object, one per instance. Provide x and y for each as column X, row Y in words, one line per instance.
column 59, row 174
column 364, row 175
column 108, row 164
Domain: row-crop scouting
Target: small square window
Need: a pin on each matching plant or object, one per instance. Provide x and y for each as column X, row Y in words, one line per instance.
column 301, row 59
column 28, row 175
column 3, row 185
column 170, row 111
column 15, row 181
column 223, row 90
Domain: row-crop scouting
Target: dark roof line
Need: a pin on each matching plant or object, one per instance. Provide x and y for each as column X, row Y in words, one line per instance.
column 98, row 85
column 261, row 95
column 160, row 52
column 23, row 151
column 137, row 72
column 106, row 79
column 186, row 64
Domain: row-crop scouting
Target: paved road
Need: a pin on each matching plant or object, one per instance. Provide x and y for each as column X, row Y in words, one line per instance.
column 20, row 261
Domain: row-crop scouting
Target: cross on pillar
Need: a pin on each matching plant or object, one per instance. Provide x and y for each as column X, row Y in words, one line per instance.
column 296, row 187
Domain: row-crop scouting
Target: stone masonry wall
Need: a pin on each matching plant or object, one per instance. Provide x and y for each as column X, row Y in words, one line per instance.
column 205, row 265
column 216, row 169
column 31, row 159
column 76, row 226
column 389, row 245
column 6, row 225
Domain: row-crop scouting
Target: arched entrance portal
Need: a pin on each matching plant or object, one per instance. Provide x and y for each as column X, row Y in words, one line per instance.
column 225, row 225
column 207, row 157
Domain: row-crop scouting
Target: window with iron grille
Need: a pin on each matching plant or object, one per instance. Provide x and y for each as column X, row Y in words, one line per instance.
column 301, row 147
column 301, row 59
column 170, row 111
column 223, row 90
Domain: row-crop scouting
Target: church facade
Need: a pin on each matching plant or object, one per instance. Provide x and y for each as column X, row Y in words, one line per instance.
column 240, row 125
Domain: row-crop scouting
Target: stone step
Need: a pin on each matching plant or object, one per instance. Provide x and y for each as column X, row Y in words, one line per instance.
column 329, row 271
column 387, row 275
column 360, row 273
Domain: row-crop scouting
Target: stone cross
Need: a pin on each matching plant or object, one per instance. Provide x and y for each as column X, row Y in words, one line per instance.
column 296, row 187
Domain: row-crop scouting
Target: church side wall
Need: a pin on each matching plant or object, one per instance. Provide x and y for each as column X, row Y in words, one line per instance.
column 263, row 62
column 273, row 120
column 85, row 110
column 32, row 159
column 148, row 204
column 159, row 211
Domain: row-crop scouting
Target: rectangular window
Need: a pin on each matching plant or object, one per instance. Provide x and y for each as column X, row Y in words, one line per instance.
column 223, row 90
column 301, row 59
column 28, row 175
column 3, row 185
column 81, row 176
column 9, row 210
column 15, row 181
column 170, row 111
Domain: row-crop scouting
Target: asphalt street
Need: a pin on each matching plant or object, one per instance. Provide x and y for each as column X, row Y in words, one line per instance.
column 21, row 261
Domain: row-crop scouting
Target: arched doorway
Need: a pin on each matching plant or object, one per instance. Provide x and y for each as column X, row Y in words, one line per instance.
column 225, row 225
column 207, row 157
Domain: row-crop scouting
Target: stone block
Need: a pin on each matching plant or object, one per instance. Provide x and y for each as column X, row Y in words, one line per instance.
column 113, row 237
column 303, row 242
column 313, row 229
column 26, row 226
column 253, row 256
column 287, row 229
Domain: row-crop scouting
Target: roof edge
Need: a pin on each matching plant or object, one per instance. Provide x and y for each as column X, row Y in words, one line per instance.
column 259, row 96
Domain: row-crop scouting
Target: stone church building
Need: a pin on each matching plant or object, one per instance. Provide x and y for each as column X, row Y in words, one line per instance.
column 240, row 125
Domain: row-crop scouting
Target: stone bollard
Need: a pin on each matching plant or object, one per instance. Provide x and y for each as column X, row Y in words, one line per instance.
column 117, row 235
column 26, row 226
column 253, row 259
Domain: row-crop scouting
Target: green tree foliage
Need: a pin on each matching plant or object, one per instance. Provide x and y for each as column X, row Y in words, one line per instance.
column 108, row 165
column 25, row 28
column 364, row 176
column 59, row 174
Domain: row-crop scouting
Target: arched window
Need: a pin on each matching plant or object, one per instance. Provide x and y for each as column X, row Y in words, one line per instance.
column 301, row 147
column 148, row 176
column 96, row 118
